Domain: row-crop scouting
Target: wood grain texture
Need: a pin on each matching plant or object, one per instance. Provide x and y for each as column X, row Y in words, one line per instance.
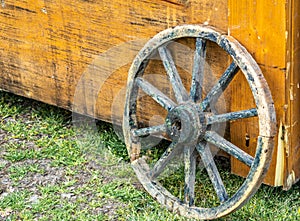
column 268, row 29
column 293, row 94
column 251, row 22
column 54, row 51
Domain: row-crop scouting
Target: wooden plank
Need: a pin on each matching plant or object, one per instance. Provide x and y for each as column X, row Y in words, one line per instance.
column 261, row 27
column 293, row 93
column 244, row 132
column 53, row 51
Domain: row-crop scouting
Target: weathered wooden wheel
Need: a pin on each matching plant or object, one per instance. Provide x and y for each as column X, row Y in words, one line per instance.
column 189, row 119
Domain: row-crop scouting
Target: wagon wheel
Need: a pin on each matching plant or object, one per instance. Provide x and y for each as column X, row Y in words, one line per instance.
column 189, row 119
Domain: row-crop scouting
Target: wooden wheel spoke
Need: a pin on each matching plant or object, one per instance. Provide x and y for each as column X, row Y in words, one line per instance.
column 155, row 93
column 160, row 165
column 198, row 70
column 215, row 139
column 220, row 86
column 190, row 173
column 232, row 116
column 160, row 129
column 212, row 171
column 177, row 85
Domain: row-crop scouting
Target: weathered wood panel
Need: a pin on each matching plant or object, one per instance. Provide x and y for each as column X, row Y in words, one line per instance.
column 293, row 94
column 263, row 27
column 51, row 49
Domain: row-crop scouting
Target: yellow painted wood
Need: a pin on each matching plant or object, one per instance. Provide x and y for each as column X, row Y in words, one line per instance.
column 261, row 27
column 292, row 164
column 49, row 47
column 268, row 29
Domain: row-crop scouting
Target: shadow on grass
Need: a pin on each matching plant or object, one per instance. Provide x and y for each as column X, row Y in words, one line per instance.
column 47, row 173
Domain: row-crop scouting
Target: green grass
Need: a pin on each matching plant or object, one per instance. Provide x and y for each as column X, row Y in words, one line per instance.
column 50, row 170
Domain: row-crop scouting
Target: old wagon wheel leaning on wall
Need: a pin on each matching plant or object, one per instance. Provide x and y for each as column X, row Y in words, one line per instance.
column 189, row 120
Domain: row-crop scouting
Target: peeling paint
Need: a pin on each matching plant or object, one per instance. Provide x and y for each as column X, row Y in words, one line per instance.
column 291, row 94
column 286, row 141
column 288, row 67
column 290, row 180
column 44, row 10
column 279, row 170
column 206, row 22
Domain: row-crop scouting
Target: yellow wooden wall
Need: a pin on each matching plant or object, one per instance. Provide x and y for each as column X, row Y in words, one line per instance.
column 270, row 31
column 48, row 47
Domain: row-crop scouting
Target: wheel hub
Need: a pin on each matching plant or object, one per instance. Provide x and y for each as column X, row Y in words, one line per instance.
column 186, row 123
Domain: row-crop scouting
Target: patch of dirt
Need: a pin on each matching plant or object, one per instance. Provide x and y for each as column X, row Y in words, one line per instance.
column 49, row 176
